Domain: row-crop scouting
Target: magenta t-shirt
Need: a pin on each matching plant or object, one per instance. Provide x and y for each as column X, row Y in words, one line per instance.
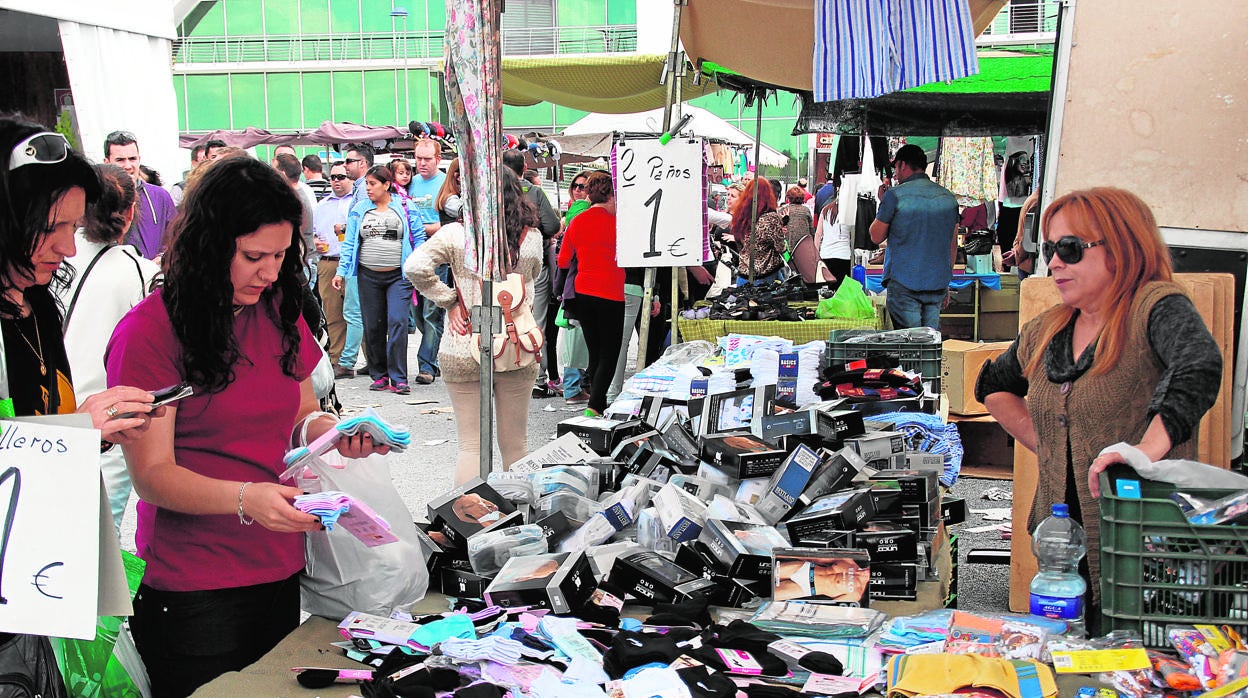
column 240, row 434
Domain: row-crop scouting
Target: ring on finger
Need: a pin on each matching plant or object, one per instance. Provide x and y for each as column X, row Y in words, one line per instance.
column 111, row 412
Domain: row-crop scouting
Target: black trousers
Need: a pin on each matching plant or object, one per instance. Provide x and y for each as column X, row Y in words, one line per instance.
column 188, row 638
column 602, row 322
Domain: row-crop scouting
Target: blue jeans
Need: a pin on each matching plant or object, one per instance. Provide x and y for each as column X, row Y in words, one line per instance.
column 777, row 275
column 571, row 382
column 355, row 322
column 431, row 329
column 384, row 299
column 914, row 308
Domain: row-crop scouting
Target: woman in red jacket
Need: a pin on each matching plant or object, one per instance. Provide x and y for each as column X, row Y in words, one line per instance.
column 599, row 285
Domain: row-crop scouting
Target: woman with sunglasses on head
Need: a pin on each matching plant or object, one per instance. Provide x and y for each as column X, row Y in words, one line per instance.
column 218, row 591
column 45, row 189
column 376, row 245
column 1124, row 357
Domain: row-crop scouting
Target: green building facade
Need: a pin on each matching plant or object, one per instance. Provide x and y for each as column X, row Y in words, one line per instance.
column 287, row 65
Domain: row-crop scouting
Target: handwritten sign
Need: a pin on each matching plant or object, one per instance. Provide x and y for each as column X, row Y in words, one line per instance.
column 49, row 529
column 659, row 203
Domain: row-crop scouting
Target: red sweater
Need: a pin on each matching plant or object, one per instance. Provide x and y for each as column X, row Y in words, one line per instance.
column 591, row 237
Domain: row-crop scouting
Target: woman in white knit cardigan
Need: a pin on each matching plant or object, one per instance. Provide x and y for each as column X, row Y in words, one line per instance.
column 457, row 355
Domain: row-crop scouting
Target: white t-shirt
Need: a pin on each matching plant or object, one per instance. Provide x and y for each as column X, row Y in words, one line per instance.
column 836, row 242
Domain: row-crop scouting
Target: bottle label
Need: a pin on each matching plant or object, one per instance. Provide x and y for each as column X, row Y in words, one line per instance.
column 1059, row 607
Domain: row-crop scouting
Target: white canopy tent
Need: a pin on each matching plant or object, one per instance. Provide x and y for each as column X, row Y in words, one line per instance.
column 117, row 54
column 703, row 124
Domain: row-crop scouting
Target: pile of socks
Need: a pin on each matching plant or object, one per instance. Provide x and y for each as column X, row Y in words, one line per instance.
column 398, row 438
column 326, row 505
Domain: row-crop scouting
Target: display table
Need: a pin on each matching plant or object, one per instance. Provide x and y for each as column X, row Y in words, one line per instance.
column 799, row 332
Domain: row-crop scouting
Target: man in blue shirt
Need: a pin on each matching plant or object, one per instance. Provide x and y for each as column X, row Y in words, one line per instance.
column 423, row 190
column 919, row 218
column 329, row 222
column 825, row 194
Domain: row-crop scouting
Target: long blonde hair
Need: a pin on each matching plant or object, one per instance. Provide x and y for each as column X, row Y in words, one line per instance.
column 1135, row 255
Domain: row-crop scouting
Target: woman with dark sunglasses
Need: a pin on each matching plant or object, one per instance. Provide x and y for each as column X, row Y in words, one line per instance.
column 1124, row 357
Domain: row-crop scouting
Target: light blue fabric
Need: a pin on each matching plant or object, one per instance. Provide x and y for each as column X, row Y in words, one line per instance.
column 355, row 322
column 922, row 217
column 992, row 281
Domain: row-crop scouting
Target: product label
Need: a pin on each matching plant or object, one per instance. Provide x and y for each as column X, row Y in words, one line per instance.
column 1099, row 661
column 739, row 662
column 1059, row 607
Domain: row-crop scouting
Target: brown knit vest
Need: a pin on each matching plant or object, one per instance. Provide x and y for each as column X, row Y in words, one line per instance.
column 1091, row 413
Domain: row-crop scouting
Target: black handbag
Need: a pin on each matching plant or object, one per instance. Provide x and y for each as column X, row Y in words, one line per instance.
column 978, row 242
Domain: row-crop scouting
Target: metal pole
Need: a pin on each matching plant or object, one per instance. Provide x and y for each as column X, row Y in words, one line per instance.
column 673, row 73
column 758, row 173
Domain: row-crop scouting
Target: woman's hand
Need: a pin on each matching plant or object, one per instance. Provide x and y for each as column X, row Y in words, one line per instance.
column 656, row 306
column 360, row 446
column 1099, row 465
column 122, row 413
column 336, row 282
column 270, row 505
column 457, row 319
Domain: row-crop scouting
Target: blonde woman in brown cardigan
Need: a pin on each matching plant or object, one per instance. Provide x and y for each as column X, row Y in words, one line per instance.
column 457, row 355
column 1124, row 357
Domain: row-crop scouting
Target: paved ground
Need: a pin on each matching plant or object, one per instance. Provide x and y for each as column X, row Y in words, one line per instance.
column 426, row 470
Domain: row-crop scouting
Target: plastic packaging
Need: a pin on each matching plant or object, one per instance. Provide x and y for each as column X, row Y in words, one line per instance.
column 490, row 550
column 1057, row 591
column 578, row 509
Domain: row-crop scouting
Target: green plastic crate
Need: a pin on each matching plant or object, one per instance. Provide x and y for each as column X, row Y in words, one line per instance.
column 1158, row 570
column 913, row 356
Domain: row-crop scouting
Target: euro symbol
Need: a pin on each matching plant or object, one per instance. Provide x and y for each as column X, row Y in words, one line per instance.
column 672, row 248
column 40, row 575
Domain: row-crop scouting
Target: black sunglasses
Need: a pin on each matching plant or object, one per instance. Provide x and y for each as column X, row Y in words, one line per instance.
column 578, row 185
column 1068, row 249
column 348, row 161
column 337, row 177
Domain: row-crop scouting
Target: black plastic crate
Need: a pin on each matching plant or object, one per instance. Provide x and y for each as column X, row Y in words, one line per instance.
column 922, row 357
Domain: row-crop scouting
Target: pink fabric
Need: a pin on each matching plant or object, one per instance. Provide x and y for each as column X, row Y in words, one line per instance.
column 239, row 434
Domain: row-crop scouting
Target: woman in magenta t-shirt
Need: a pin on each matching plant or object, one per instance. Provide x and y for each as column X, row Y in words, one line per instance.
column 219, row 592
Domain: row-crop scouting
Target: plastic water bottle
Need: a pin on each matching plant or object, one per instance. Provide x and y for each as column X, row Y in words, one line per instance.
column 1057, row 591
column 859, row 274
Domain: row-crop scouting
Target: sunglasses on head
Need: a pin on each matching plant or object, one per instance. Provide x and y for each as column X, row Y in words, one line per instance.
column 1068, row 249
column 44, row 148
column 337, row 177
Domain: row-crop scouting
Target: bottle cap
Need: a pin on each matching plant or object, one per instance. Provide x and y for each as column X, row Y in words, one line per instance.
column 1061, row 511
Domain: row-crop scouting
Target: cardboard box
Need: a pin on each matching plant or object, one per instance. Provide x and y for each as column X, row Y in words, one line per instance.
column 830, row 538
column 742, row 455
column 736, row 410
column 886, row 542
column 463, row 584
column 879, row 446
column 917, row 486
column 561, row 582
column 840, row 577
column 839, row 511
column 742, row 550
column 894, row 581
column 681, row 515
column 565, row 450
column 832, row 421
column 653, row 578
column 600, row 434
column 729, row 592
column 471, row 508
column 786, row 484
column 836, row 470
column 960, row 363
column 985, row 444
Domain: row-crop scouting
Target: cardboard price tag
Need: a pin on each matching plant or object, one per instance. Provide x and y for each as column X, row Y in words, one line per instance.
column 660, row 209
column 1099, row 661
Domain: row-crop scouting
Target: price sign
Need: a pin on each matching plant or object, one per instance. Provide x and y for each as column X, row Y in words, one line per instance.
column 49, row 529
column 660, row 209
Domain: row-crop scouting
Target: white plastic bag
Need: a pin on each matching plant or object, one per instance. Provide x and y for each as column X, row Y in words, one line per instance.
column 344, row 575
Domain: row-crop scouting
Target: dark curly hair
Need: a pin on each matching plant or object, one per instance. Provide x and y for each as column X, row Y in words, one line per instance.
column 234, row 198
column 519, row 214
column 105, row 221
column 27, row 196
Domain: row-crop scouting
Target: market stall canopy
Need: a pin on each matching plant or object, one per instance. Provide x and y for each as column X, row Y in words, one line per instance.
column 704, row 125
column 328, row 133
column 613, row 84
column 1009, row 97
column 770, row 41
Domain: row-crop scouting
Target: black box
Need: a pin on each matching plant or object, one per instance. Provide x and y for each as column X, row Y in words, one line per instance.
column 886, row 542
column 917, row 486
column 953, row 510
column 894, row 579
column 653, row 578
column 830, row 538
column 600, row 434
column 471, row 508
column 836, row 470
column 737, row 410
column 887, row 502
column 927, row 513
column 729, row 592
column 839, row 576
column 742, row 455
column 555, row 526
column 742, row 549
column 561, row 582
column 839, row 511
column 463, row 584
column 900, row 404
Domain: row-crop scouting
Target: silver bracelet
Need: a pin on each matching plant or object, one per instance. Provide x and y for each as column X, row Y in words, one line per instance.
column 243, row 518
